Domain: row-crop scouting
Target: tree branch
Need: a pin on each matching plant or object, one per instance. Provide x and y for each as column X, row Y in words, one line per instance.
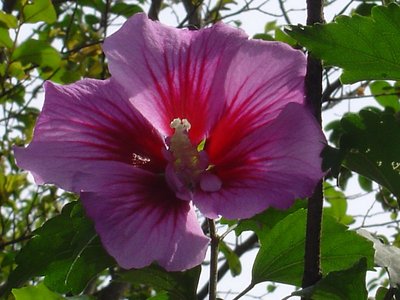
column 193, row 11
column 313, row 85
column 154, row 10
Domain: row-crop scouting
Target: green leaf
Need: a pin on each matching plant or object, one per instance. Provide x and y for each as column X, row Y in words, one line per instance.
column 39, row 291
column 281, row 256
column 365, row 183
column 385, row 94
column 365, row 47
column 338, row 204
column 263, row 36
column 39, row 10
column 262, row 223
column 179, row 285
column 372, row 142
column 160, row 296
column 66, row 251
column 346, row 284
column 126, row 10
column 365, row 9
column 233, row 260
column 37, row 52
column 8, row 20
column 5, row 40
column 332, row 159
column 281, row 36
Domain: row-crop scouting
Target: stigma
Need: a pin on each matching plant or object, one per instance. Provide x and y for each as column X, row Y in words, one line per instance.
column 188, row 168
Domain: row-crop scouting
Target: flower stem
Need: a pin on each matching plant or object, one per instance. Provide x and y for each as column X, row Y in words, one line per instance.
column 212, row 287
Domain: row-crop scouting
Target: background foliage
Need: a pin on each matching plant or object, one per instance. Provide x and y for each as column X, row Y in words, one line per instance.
column 49, row 249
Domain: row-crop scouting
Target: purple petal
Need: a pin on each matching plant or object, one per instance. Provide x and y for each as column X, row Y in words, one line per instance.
column 140, row 220
column 83, row 124
column 272, row 166
column 173, row 73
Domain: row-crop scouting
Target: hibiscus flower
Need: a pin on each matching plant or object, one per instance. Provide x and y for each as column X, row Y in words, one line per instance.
column 206, row 119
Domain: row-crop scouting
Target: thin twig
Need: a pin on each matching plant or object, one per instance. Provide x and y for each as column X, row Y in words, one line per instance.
column 239, row 251
column 244, row 292
column 212, row 290
column 284, row 12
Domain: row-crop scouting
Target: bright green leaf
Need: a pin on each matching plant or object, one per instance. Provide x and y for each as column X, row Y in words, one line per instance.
column 365, row 47
column 5, row 40
column 179, row 285
column 346, row 284
column 35, row 292
column 262, row 223
column 281, row 256
column 338, row 204
column 385, row 94
column 263, row 36
column 281, row 36
column 372, row 141
column 37, row 52
column 233, row 260
column 39, row 10
column 8, row 20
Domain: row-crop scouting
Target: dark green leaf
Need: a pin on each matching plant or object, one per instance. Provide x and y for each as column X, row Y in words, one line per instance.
column 365, row 47
column 372, row 142
column 66, row 251
column 179, row 285
column 37, row 52
column 124, row 9
column 381, row 293
column 346, row 284
column 332, row 159
column 385, row 94
column 364, row 9
column 91, row 19
column 281, row 256
column 39, row 10
column 365, row 183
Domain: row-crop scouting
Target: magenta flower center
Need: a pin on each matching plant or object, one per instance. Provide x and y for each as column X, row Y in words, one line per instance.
column 189, row 166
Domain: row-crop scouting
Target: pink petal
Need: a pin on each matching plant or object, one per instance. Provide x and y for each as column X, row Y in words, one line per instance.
column 140, row 220
column 173, row 73
column 272, row 166
column 261, row 80
column 83, row 124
